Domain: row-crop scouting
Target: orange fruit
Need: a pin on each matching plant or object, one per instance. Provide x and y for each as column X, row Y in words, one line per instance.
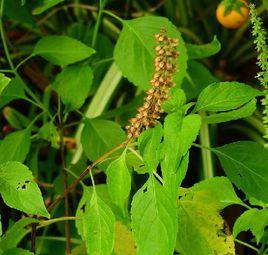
column 234, row 18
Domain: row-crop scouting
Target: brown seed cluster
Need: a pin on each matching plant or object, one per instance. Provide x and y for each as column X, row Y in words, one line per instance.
column 165, row 67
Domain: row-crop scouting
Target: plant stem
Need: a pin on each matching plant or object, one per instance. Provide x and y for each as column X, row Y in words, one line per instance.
column 65, row 182
column 208, row 170
column 23, row 61
column 247, row 245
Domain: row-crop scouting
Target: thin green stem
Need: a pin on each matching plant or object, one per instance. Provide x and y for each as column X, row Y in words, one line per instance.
column 247, row 245
column 24, row 61
column 114, row 16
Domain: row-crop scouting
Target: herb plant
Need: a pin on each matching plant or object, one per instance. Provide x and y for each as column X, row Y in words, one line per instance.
column 104, row 124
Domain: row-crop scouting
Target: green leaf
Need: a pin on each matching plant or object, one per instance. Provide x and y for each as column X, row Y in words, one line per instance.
column 149, row 144
column 179, row 134
column 176, row 101
column 62, row 50
column 16, row 119
column 134, row 51
column 254, row 220
column 224, row 96
column 16, row 233
column 3, row 82
column 99, row 136
column 13, row 91
column 243, row 162
column 265, row 3
column 15, row 146
column 203, row 51
column 96, row 224
column 244, row 111
column 154, row 220
column 17, row 251
column 198, row 77
column 200, row 226
column 19, row 190
column 119, row 182
column 73, row 85
column 45, row 5
column 221, row 189
column 49, row 132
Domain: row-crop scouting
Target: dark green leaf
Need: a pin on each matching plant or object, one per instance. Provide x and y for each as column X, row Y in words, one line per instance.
column 254, row 220
column 19, row 190
column 73, row 85
column 149, row 144
column 243, row 162
column 224, row 96
column 17, row 251
column 45, row 5
column 3, row 82
column 134, row 50
column 49, row 132
column 154, row 220
column 62, row 50
column 203, row 51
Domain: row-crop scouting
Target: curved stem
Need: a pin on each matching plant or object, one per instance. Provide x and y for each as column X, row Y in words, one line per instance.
column 247, row 245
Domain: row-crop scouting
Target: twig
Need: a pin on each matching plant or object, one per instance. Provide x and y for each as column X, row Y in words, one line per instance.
column 85, row 172
column 33, row 236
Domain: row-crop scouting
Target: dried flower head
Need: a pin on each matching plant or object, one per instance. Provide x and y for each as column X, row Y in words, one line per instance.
column 165, row 67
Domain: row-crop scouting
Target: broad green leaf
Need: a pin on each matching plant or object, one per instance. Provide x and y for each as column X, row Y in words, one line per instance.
column 200, row 226
column 19, row 190
column 96, row 224
column 124, row 241
column 179, row 134
column 73, row 85
column 154, row 220
column 17, row 251
column 62, row 50
column 244, row 111
column 135, row 161
column 13, row 91
column 16, row 233
column 224, row 96
column 119, row 182
column 176, row 101
column 254, row 220
column 15, row 146
column 134, row 51
column 221, row 189
column 49, row 132
column 149, row 144
column 197, row 78
column 243, row 162
column 22, row 14
column 99, row 136
column 45, row 5
column 3, row 82
column 204, row 50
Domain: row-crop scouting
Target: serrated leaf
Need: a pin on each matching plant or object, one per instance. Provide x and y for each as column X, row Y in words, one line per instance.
column 16, row 233
column 62, row 50
column 124, row 241
column 149, row 144
column 179, row 134
column 221, row 189
column 204, row 50
column 45, row 5
column 242, row 112
column 15, row 146
column 99, row 136
column 73, row 85
column 254, row 220
column 224, row 96
column 134, row 51
column 201, row 228
column 95, row 224
column 19, row 190
column 176, row 101
column 248, row 173
column 119, row 182
column 154, row 220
